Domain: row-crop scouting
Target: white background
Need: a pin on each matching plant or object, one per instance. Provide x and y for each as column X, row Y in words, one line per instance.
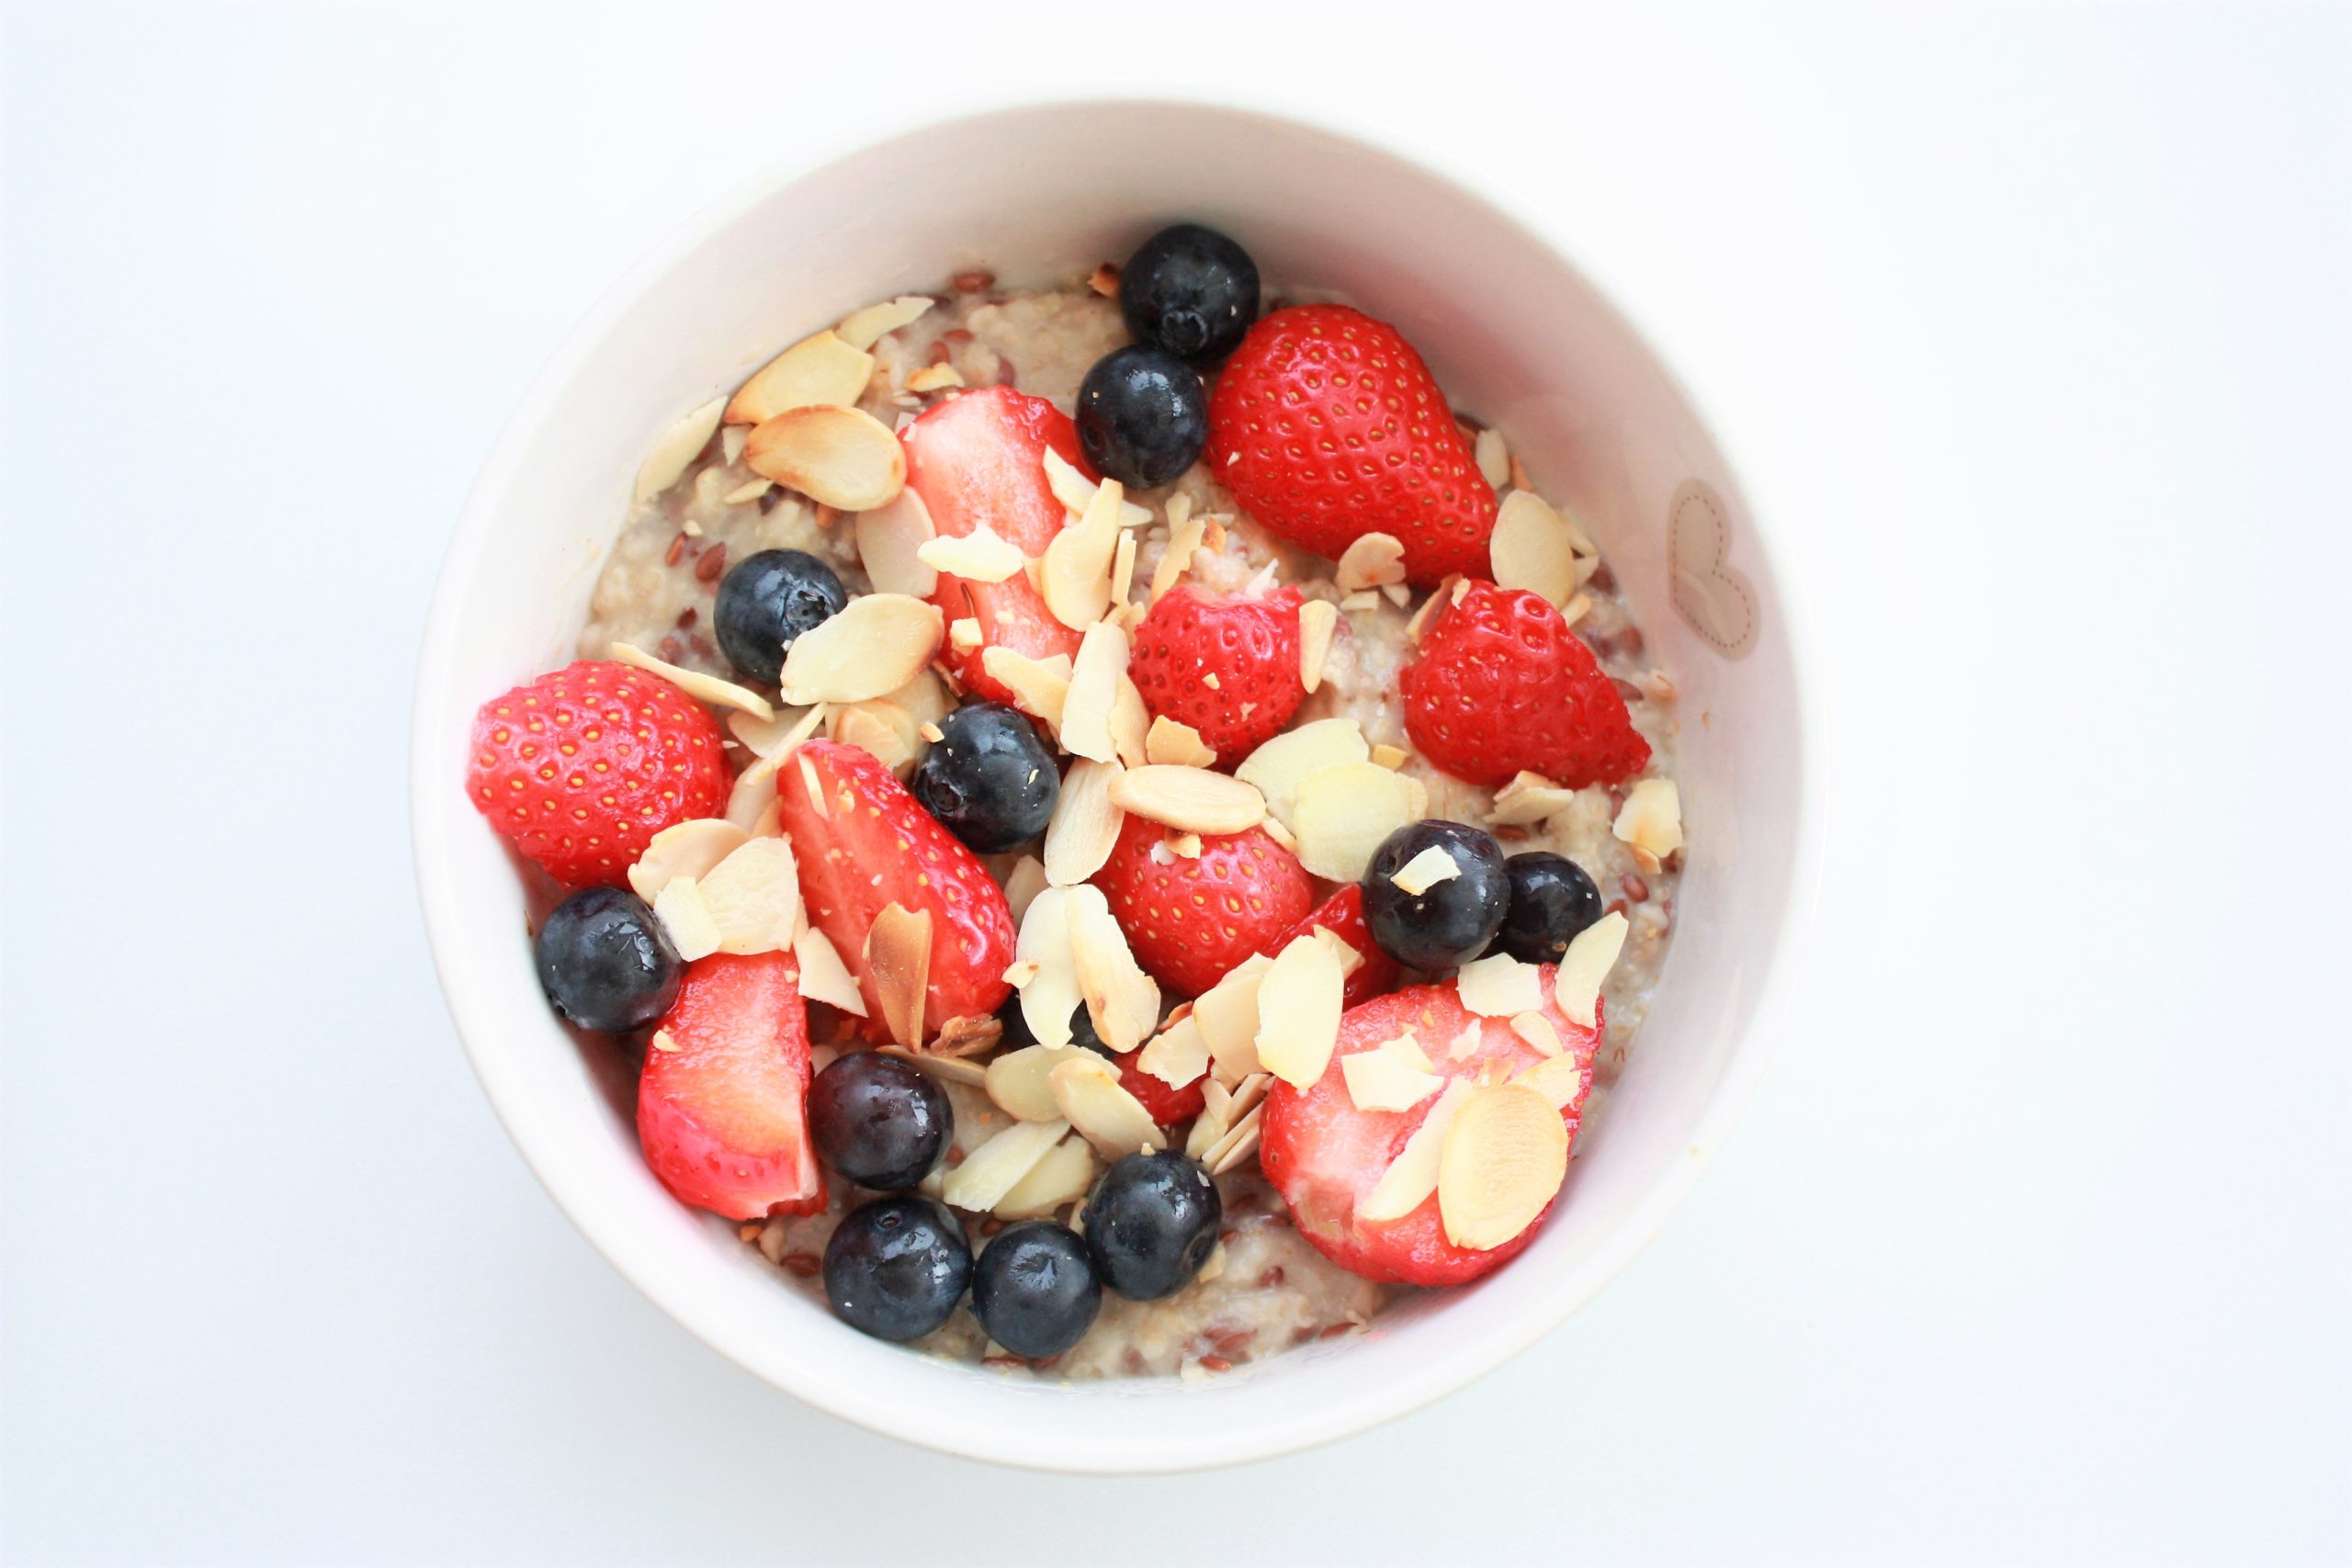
column 2034, row 324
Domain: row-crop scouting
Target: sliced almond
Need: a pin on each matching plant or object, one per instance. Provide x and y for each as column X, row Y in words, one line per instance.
column 1216, row 1118
column 1277, row 767
column 748, row 492
column 1504, row 1158
column 823, row 976
column 663, row 1041
column 1493, row 458
column 1182, row 846
column 993, row 1169
column 1052, row 992
column 1094, row 689
column 947, row 1069
column 1586, row 963
column 1273, row 827
column 821, row 368
column 1412, row 1177
column 1317, row 620
column 877, row 645
column 1361, row 599
column 1397, row 594
column 753, row 897
column 1341, row 949
column 1341, row 815
column 964, row 634
column 1074, row 576
column 1130, row 720
column 1179, row 745
column 1018, row 1082
column 1062, row 1177
column 687, row 924
column 684, row 849
column 1465, row 1045
column 898, row 969
column 1531, row 548
column 968, row 1036
column 1425, row 870
column 1077, row 493
column 753, row 794
column 981, row 556
column 1039, row 686
column 768, row 737
column 1537, row 1031
column 1407, row 1048
column 1085, row 824
column 838, row 457
column 1193, row 800
column 1559, row 1079
column 862, row 329
column 1378, row 1081
column 1420, row 622
column 1123, row 568
column 1299, row 1003
column 1528, row 798
column 1087, row 1090
column 675, row 448
column 934, row 379
column 731, row 440
column 881, row 728
column 694, row 684
column 1651, row 819
column 1370, row 560
column 1122, row 1000
column 1226, row 1016
column 1390, row 757
column 1236, row 1147
column 1184, row 536
column 1499, row 985
column 1177, row 1056
column 890, row 542
column 1025, row 882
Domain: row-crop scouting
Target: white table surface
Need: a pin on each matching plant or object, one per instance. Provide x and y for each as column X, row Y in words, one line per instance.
column 2033, row 1247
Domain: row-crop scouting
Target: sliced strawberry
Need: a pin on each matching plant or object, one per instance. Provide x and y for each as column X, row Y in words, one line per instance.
column 863, row 842
column 1325, row 1156
column 1225, row 663
column 722, row 1114
column 1188, row 921
column 980, row 458
column 1343, row 915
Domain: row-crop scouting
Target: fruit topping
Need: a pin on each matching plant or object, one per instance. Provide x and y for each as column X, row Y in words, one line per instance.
column 605, row 962
column 1190, row 919
column 1142, row 417
column 1151, row 1223
column 1435, row 919
column 1034, row 1288
column 989, row 778
column 880, row 1121
column 1192, row 291
column 1551, row 900
column 896, row 1268
column 1226, row 665
column 767, row 600
column 1343, row 915
column 722, row 1102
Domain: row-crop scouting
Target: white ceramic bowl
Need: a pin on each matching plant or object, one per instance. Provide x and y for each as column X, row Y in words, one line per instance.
column 1042, row 193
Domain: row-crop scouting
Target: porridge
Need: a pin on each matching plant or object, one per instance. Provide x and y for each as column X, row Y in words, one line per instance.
column 1126, row 832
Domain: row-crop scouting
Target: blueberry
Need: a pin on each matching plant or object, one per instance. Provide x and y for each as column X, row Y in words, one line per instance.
column 605, row 961
column 896, row 1268
column 988, row 778
column 1192, row 291
column 1034, row 1288
column 1142, row 418
column 767, row 600
column 1551, row 900
column 1454, row 920
column 1151, row 1223
column 879, row 1120
column 1015, row 1024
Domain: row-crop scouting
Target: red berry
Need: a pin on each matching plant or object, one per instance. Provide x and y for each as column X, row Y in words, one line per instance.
column 1343, row 915
column 1167, row 1105
column 1327, row 426
column 722, row 1114
column 1188, row 921
column 1226, row 664
column 1325, row 1156
column 862, row 843
column 579, row 769
column 980, row 458
column 1500, row 686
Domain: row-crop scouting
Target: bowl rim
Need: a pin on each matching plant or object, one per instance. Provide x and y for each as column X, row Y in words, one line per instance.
column 930, row 1429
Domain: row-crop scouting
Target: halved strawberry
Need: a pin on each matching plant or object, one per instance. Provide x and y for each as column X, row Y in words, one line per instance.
column 1188, row 921
column 1343, row 915
column 862, row 843
column 1325, row 1156
column 723, row 1113
column 979, row 457
column 1225, row 663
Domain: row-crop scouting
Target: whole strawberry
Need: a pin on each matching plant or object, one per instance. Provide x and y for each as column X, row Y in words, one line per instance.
column 1500, row 686
column 580, row 768
column 1188, row 921
column 1343, row 915
column 1327, row 426
column 1226, row 664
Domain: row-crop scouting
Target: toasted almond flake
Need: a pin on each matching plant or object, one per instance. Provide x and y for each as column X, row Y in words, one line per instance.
column 1341, row 949
column 684, row 849
column 1465, row 1044
column 1277, row 767
column 1537, row 1031
column 1177, row 1055
column 1425, row 870
column 1397, row 594
column 1528, row 798
column 1074, row 576
column 1039, row 686
column 1178, row 745
column 1085, row 825
column 1020, row 972
column 813, row 790
column 690, row 929
column 1499, row 985
column 1361, row 599
column 1390, row 757
column 1236, row 1147
column 675, row 448
column 965, row 1036
column 1369, row 561
column 745, row 492
column 1122, row 1000
column 1184, row 536
column 934, row 379
column 780, row 736
column 932, row 734
column 890, row 542
column 1342, row 814
column 1183, row 846
column 1273, row 827
column 753, row 897
column 1052, row 992
column 1079, row 494
column 1559, row 1079
column 877, row 644
column 1062, row 1177
column 1027, row 880
column 1377, row 1080
column 769, row 824
column 1123, row 568
column 880, row 728
column 947, row 1069
column 1212, row 682
column 992, row 1170
column 1299, row 1003
column 1649, row 863
column 1575, row 609
column 1504, row 1158
column 753, row 794
column 1318, row 619
column 981, row 556
column 1430, row 608
column 839, row 457
column 1216, row 1119
column 1531, row 549
column 1192, row 799
column 692, row 529
column 1017, row 1081
column 823, row 976
column 1087, row 1090
column 1407, row 1048
column 731, row 441
column 1411, row 1178
column 898, row 969
column 694, row 684
column 1130, row 720
column 818, row 369
column 663, row 1041
column 1094, row 689
column 964, row 634
column 1651, row 817
column 1493, row 457
column 1586, row 963
column 862, row 329
column 1263, row 582
column 1228, row 1015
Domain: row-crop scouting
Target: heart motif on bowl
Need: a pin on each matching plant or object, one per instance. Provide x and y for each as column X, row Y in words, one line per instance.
column 1713, row 599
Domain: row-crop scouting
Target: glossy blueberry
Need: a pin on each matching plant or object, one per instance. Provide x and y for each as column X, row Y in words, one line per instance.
column 1015, row 1024
column 879, row 1120
column 1551, row 900
column 1142, row 417
column 1151, row 1223
column 767, row 600
column 1190, row 291
column 896, row 1268
column 1034, row 1288
column 1450, row 923
column 988, row 778
column 605, row 961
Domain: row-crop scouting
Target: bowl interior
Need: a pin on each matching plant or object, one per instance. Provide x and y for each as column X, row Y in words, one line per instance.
column 1042, row 194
